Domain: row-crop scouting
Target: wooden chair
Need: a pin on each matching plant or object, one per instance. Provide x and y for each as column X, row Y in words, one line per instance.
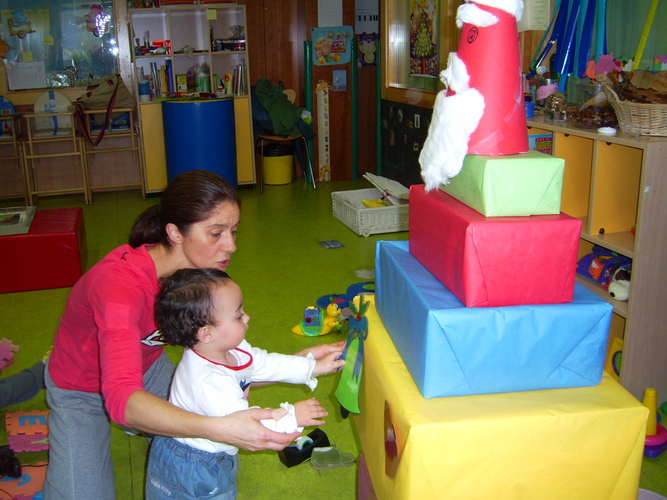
column 265, row 138
column 53, row 162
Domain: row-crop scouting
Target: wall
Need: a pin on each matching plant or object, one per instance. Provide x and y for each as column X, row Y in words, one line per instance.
column 277, row 30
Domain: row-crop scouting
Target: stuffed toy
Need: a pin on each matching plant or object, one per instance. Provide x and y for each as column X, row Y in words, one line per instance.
column 619, row 284
column 600, row 264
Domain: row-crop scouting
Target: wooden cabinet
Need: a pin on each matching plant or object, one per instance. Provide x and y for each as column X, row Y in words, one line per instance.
column 190, row 30
column 615, row 183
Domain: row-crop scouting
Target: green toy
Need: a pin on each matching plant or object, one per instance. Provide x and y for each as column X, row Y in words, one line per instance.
column 347, row 391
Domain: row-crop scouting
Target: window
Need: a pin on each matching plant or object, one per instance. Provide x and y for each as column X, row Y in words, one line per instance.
column 57, row 43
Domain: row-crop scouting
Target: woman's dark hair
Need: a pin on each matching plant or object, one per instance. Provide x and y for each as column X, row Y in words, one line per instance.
column 189, row 198
column 184, row 304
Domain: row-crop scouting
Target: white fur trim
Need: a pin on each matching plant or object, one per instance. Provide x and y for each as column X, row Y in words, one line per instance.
column 471, row 14
column 454, row 119
column 455, row 75
column 514, row 7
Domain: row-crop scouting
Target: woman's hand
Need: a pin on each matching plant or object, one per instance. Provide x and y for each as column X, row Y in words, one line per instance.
column 328, row 364
column 244, row 430
column 308, row 411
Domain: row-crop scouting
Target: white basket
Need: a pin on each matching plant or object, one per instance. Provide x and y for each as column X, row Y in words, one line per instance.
column 349, row 209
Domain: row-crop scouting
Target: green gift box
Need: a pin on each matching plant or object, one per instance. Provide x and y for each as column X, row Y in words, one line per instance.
column 507, row 186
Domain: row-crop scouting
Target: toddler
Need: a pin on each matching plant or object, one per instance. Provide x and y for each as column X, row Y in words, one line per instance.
column 202, row 311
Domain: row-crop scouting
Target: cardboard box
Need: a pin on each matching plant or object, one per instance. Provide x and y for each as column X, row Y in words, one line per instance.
column 181, row 83
column 452, row 350
column 541, row 142
column 494, row 261
column 496, row 186
column 583, row 443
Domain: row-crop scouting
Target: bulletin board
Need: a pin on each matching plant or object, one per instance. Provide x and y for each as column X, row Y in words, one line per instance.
column 57, row 44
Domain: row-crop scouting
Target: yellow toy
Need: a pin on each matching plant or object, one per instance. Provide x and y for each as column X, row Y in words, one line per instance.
column 374, row 203
column 317, row 322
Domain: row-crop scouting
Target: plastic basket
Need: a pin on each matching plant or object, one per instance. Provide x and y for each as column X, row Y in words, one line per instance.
column 637, row 118
column 350, row 210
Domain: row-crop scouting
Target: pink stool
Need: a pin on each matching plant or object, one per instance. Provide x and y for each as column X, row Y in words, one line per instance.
column 52, row 254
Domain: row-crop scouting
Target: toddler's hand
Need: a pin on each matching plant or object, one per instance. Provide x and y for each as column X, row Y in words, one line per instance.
column 328, row 364
column 308, row 411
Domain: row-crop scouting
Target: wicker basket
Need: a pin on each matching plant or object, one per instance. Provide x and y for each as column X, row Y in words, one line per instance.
column 636, row 118
column 350, row 210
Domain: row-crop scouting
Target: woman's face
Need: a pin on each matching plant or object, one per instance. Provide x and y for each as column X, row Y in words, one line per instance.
column 211, row 242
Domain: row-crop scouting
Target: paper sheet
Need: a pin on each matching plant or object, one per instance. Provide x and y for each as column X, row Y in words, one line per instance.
column 536, row 15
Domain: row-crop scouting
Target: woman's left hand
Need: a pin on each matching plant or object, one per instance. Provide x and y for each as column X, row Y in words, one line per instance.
column 320, row 350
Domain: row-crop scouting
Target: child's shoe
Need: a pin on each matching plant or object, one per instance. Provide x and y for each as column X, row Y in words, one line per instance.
column 328, row 457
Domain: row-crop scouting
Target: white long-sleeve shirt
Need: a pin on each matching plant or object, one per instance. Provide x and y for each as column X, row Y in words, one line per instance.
column 215, row 390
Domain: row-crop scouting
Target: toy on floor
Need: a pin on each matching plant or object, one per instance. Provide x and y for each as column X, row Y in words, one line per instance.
column 317, row 322
column 347, row 392
column 302, row 449
column 656, row 434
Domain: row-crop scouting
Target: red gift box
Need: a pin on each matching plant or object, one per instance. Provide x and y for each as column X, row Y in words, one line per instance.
column 493, row 261
column 52, row 254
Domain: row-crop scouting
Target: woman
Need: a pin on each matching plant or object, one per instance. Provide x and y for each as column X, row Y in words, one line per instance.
column 108, row 360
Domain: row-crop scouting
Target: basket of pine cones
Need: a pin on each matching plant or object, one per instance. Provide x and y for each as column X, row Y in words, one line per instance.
column 639, row 99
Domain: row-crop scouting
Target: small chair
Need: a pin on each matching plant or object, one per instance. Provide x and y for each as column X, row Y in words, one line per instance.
column 50, row 148
column 265, row 138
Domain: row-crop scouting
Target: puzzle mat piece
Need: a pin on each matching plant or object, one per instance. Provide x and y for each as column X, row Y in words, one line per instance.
column 27, row 422
column 30, row 483
column 28, row 442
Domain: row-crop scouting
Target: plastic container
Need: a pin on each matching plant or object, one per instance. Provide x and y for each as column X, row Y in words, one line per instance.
column 200, row 135
column 278, row 162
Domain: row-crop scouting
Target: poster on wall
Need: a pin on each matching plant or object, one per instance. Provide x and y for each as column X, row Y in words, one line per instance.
column 331, row 45
column 424, row 37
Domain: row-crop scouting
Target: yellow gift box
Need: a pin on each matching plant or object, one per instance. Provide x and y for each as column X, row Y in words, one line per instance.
column 582, row 443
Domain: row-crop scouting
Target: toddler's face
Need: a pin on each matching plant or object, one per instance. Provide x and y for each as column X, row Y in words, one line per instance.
column 231, row 319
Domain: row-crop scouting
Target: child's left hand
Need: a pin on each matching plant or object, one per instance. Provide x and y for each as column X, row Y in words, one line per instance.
column 308, row 411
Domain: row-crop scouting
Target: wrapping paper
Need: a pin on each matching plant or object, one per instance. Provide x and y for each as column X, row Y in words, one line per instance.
column 583, row 443
column 52, row 254
column 515, row 185
column 494, row 261
column 452, row 350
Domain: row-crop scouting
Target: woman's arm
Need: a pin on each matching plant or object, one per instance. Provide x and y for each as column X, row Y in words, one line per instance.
column 149, row 413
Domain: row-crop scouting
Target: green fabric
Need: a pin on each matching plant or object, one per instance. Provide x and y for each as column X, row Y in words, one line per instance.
column 514, row 185
column 283, row 113
column 347, row 391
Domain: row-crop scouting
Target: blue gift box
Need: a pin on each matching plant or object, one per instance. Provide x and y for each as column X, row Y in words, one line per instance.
column 453, row 350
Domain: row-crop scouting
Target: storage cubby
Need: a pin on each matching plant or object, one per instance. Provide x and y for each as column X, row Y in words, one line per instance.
column 193, row 26
column 615, row 183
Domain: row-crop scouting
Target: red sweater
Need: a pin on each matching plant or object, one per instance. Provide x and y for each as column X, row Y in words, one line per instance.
column 107, row 337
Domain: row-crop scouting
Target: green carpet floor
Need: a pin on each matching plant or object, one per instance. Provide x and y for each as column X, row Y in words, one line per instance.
column 281, row 268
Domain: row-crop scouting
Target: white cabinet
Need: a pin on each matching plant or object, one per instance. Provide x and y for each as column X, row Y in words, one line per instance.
column 187, row 33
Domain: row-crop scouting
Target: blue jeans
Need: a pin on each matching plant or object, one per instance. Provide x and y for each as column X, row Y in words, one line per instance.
column 177, row 471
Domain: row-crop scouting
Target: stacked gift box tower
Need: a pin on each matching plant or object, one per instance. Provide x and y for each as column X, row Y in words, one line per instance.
column 481, row 310
column 482, row 299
